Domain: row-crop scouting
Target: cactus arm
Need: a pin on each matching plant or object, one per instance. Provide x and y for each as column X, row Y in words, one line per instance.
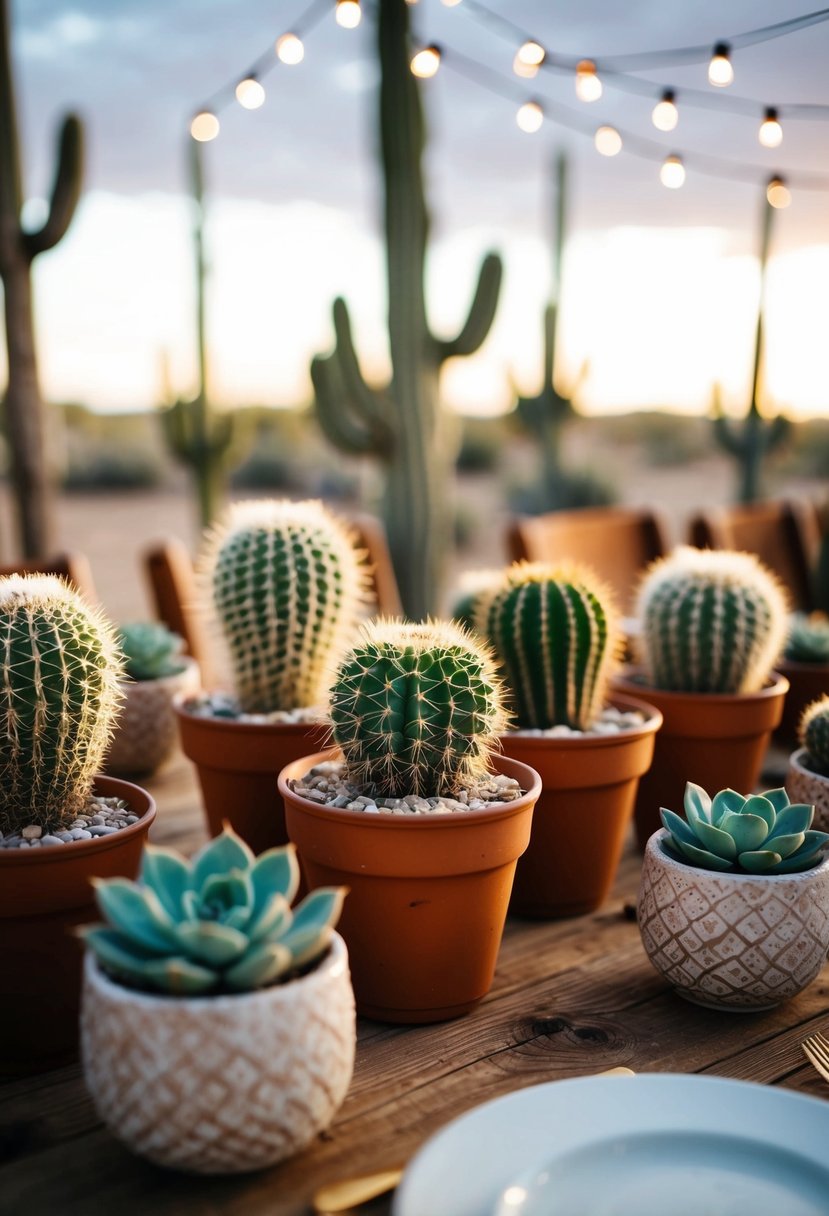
column 66, row 189
column 481, row 312
column 352, row 415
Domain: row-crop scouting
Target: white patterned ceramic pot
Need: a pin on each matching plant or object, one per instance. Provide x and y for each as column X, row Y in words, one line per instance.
column 220, row 1084
column 146, row 732
column 733, row 941
column 803, row 784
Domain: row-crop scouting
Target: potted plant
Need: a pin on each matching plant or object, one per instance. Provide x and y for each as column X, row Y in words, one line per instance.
column 734, row 900
column 60, row 824
column 805, row 664
column 217, row 1025
column 711, row 624
column 807, row 779
column 555, row 633
column 155, row 672
column 415, row 817
column 282, row 584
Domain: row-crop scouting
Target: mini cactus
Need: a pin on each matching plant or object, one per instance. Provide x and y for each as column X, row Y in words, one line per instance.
column 555, row 632
column 59, row 697
column 473, row 586
column 712, row 621
column 746, row 834
column 222, row 922
column 808, row 640
column 151, row 651
column 285, row 583
column 416, row 709
column 813, row 734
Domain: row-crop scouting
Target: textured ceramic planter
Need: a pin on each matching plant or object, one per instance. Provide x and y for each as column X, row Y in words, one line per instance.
column 146, row 734
column 220, row 1084
column 582, row 816
column 739, row 942
column 44, row 894
column 428, row 894
column 803, row 784
column 807, row 682
column 716, row 740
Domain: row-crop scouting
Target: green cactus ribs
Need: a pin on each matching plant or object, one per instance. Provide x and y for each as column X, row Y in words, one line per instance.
column 813, row 734
column 416, row 709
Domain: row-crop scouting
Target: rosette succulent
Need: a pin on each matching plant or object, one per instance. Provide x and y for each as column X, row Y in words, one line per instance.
column 813, row 734
column 808, row 640
column 745, row 834
column 221, row 922
column 151, row 651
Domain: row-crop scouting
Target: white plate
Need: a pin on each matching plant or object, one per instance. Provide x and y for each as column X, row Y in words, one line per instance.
column 649, row 1145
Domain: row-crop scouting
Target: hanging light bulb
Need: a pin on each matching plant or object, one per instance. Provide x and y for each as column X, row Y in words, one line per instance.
column 672, row 173
column 720, row 71
column 770, row 133
column 588, row 85
column 608, row 141
column 290, row 49
column 348, row 14
column 530, row 116
column 426, row 62
column 665, row 115
column 249, row 93
column 528, row 59
column 778, row 193
column 204, row 126
column 451, row 3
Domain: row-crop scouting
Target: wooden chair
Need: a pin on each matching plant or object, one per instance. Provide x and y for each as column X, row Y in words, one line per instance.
column 617, row 542
column 74, row 567
column 784, row 535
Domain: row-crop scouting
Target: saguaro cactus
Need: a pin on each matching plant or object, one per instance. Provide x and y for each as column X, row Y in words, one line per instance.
column 403, row 424
column 25, row 426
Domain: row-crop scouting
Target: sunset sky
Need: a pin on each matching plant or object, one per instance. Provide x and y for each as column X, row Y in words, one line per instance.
column 660, row 286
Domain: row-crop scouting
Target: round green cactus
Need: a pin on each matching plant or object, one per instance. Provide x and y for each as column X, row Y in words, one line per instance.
column 59, row 697
column 416, row 709
column 473, row 587
column 711, row 621
column 808, row 640
column 748, row 834
column 555, row 634
column 219, row 923
column 813, row 733
column 285, row 582
column 151, row 651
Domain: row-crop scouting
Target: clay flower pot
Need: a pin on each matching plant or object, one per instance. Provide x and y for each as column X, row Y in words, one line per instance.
column 220, row 1084
column 44, row 894
column 428, row 894
column 238, row 764
column 740, row 942
column 582, row 815
column 803, row 784
column 807, row 682
column 145, row 734
column 716, row 740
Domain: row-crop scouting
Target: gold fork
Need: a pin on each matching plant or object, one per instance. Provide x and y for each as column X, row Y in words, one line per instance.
column 816, row 1050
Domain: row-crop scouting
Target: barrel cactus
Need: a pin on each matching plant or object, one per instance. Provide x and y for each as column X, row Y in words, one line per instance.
column 808, row 638
column 59, row 698
column 474, row 585
column 745, row 834
column 813, row 734
column 711, row 621
column 221, row 922
column 555, row 633
column 416, row 709
column 151, row 651
column 285, row 584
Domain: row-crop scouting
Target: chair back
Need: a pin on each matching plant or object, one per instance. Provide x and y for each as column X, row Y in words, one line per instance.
column 74, row 567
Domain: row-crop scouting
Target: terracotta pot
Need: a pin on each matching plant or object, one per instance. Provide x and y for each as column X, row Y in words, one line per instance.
column 428, row 894
column 803, row 784
column 146, row 734
column 220, row 1084
column 44, row 894
column 238, row 764
column 716, row 740
column 582, row 815
column 807, row 682
column 740, row 942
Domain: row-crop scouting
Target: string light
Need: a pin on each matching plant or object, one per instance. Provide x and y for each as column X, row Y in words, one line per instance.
column 588, row 85
column 770, row 133
column 451, row 3
column 249, row 93
column 608, row 141
column 530, row 116
column 426, row 62
column 204, row 126
column 348, row 14
column 528, row 59
column 720, row 71
column 778, row 193
column 665, row 115
column 290, row 49
column 672, row 173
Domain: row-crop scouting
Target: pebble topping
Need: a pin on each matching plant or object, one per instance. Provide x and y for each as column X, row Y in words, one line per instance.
column 326, row 784
column 101, row 817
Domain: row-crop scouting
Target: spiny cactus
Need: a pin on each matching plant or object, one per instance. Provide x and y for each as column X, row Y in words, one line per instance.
column 813, row 734
column 808, row 640
column 59, row 696
column 416, row 709
column 285, row 583
column 472, row 586
column 711, row 621
column 219, row 923
column 555, row 633
column 151, row 651
column 747, row 834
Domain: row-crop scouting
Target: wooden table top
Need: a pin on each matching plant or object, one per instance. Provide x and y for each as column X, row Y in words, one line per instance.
column 570, row 998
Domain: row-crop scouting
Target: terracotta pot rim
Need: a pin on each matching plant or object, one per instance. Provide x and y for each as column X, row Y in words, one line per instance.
column 652, row 723
column 96, row 846
column 803, row 876
column 231, row 725
column 775, row 686
column 797, row 760
column 443, row 820
column 190, row 665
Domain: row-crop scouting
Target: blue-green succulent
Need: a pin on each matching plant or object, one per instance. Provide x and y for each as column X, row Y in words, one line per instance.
column 221, row 922
column 745, row 834
column 151, row 651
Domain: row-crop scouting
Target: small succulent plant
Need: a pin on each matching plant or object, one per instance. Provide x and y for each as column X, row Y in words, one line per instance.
column 220, row 923
column 745, row 834
column 813, row 734
column 808, row 640
column 473, row 586
column 151, row 651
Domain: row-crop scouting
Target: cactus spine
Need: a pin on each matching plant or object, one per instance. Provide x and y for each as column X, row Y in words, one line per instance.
column 416, row 709
column 285, row 583
column 712, row 621
column 59, row 696
column 25, row 422
column 813, row 733
column 403, row 425
column 555, row 634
